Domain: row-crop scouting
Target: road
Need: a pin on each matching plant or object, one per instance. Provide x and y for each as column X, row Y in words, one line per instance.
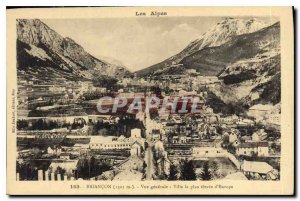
column 150, row 166
column 149, row 153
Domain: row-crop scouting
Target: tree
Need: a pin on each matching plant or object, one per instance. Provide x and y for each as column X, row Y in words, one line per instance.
column 27, row 171
column 206, row 173
column 104, row 81
column 188, row 171
column 22, row 124
column 60, row 170
column 173, row 173
column 225, row 141
column 144, row 167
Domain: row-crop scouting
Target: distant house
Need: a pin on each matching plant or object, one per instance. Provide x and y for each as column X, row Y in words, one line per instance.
column 245, row 122
column 136, row 149
column 156, row 135
column 259, row 170
column 81, row 147
column 259, row 111
column 108, row 143
column 259, row 135
column 136, row 133
column 56, row 150
column 207, row 151
column 253, row 148
column 101, row 89
column 232, row 134
column 64, row 156
column 231, row 119
column 274, row 118
column 174, row 139
column 24, row 153
column 111, row 143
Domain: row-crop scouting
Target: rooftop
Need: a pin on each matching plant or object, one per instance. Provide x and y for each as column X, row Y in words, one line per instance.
column 253, row 144
column 255, row 166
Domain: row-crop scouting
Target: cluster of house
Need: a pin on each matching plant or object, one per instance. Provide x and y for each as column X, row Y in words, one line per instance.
column 267, row 114
column 134, row 144
column 62, row 92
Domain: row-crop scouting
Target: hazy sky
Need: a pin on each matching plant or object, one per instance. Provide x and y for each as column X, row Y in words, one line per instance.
column 135, row 42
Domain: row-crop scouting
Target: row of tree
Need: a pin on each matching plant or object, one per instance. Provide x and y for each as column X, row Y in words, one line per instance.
column 42, row 124
column 89, row 167
column 187, row 171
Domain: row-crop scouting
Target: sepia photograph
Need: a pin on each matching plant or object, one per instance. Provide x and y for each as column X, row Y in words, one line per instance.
column 150, row 100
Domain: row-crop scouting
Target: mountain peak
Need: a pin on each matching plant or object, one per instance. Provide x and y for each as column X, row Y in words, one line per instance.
column 68, row 55
column 226, row 29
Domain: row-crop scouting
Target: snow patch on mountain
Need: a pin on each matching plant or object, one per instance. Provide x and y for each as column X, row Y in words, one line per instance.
column 228, row 28
column 38, row 52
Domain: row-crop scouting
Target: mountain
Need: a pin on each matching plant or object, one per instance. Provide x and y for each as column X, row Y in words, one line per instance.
column 219, row 34
column 43, row 53
column 243, row 54
column 251, row 74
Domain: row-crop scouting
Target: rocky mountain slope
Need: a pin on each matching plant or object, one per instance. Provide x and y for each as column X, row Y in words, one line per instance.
column 251, row 74
column 43, row 52
column 219, row 34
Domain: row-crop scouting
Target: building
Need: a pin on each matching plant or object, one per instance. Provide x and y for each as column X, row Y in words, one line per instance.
column 109, row 143
column 259, row 170
column 208, row 152
column 81, row 146
column 136, row 149
column 136, row 133
column 245, row 122
column 100, row 118
column 156, row 135
column 113, row 143
column 24, row 153
column 259, row 111
column 56, row 150
column 86, row 87
column 253, row 148
column 64, row 156
column 101, row 89
column 274, row 118
column 232, row 134
column 69, row 166
column 259, row 135
column 231, row 119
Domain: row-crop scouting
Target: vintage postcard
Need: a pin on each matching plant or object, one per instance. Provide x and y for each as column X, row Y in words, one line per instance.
column 150, row 101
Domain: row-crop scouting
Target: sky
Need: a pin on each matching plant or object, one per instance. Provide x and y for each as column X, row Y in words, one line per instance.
column 136, row 42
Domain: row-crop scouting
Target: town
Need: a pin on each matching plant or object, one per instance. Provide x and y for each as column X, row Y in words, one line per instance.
column 61, row 135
